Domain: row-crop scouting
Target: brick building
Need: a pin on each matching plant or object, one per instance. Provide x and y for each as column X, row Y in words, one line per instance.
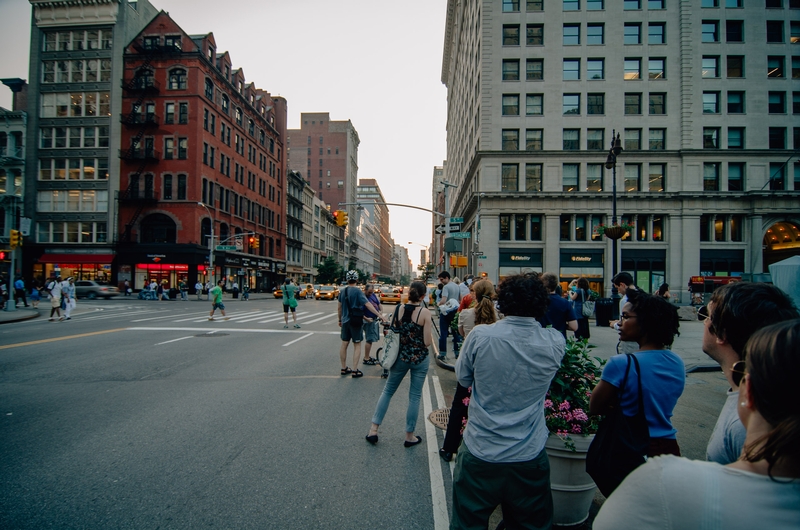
column 201, row 163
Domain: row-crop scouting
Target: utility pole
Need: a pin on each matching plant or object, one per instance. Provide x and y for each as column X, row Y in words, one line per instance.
column 447, row 220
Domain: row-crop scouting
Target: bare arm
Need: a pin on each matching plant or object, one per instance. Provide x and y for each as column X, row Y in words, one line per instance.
column 603, row 398
column 572, row 325
column 427, row 337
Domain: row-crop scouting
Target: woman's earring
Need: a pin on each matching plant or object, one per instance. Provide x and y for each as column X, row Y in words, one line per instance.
column 743, row 403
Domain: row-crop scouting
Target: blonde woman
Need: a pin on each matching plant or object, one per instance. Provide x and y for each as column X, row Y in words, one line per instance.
column 481, row 311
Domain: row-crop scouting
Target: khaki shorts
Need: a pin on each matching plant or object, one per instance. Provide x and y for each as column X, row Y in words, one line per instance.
column 55, row 301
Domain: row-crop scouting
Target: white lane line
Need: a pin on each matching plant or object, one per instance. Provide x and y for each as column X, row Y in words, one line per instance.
column 235, row 317
column 173, row 340
column 300, row 316
column 246, row 314
column 325, row 317
column 259, row 315
column 441, row 519
column 437, row 387
column 298, row 339
column 229, row 330
column 106, row 316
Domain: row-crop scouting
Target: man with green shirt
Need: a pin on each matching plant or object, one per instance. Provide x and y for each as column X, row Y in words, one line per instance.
column 216, row 300
column 289, row 294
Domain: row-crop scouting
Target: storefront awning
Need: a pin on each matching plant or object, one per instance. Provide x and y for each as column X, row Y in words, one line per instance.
column 76, row 258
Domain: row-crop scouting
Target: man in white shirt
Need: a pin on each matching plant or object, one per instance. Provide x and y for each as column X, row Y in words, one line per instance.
column 54, row 288
column 448, row 305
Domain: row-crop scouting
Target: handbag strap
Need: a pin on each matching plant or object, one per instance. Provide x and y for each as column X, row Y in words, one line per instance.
column 639, row 380
column 394, row 316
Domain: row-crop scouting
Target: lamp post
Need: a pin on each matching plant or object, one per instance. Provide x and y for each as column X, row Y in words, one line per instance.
column 611, row 163
column 212, row 268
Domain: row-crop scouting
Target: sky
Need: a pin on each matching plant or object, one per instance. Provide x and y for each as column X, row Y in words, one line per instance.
column 374, row 62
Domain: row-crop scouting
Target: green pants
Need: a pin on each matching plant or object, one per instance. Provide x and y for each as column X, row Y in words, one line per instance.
column 522, row 489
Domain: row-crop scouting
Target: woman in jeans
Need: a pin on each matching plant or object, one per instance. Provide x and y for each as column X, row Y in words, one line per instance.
column 415, row 339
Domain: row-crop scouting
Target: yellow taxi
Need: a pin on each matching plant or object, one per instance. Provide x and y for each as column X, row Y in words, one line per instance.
column 277, row 292
column 306, row 291
column 396, row 295
column 327, row 292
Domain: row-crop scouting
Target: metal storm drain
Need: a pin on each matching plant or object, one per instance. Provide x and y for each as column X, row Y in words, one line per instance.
column 439, row 418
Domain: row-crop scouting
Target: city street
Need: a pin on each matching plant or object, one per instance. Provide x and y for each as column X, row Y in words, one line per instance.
column 144, row 414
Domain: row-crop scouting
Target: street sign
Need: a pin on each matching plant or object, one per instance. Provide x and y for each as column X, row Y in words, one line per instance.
column 456, row 219
column 481, row 257
column 461, row 235
column 440, row 229
column 455, row 227
column 226, row 247
column 239, row 243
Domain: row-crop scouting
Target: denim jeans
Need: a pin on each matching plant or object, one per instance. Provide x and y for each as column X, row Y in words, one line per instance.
column 444, row 330
column 396, row 375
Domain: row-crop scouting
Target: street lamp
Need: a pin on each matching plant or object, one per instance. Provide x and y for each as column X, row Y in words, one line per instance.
column 210, row 245
column 611, row 163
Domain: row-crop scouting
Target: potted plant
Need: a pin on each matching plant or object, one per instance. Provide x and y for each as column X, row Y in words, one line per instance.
column 614, row 231
column 571, row 432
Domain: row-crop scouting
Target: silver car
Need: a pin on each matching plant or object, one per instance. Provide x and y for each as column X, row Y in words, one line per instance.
column 91, row 290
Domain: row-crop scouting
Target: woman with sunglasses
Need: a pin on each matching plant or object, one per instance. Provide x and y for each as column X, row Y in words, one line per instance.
column 652, row 322
column 762, row 488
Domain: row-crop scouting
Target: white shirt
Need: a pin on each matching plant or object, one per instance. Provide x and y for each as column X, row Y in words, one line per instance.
column 55, row 291
column 727, row 438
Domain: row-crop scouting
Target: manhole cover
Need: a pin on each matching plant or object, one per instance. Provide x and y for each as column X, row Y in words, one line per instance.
column 211, row 335
column 439, row 418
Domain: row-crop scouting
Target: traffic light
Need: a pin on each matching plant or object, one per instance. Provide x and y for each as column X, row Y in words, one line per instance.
column 16, row 239
column 341, row 218
column 254, row 243
column 2, row 255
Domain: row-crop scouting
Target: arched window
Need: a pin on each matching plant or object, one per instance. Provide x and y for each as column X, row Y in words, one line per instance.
column 205, row 231
column 209, row 89
column 226, row 104
column 224, row 234
column 177, row 79
column 158, row 228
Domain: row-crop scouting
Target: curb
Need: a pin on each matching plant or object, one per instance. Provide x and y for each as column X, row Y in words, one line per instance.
column 24, row 315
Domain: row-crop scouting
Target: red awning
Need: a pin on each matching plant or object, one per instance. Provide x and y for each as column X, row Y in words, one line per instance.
column 76, row 258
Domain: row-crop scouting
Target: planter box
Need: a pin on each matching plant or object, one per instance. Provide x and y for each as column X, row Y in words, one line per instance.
column 573, row 489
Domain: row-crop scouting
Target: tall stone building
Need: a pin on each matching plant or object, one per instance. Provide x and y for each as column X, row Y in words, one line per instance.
column 369, row 196
column 705, row 96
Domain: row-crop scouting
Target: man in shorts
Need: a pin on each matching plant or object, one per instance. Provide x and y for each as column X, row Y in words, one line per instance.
column 54, row 288
column 216, row 300
column 289, row 293
column 352, row 306
column 371, row 326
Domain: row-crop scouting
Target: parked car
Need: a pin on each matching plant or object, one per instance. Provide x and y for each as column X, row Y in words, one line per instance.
column 91, row 290
column 327, row 292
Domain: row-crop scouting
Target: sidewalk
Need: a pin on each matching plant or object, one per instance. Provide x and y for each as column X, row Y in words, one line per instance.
column 22, row 313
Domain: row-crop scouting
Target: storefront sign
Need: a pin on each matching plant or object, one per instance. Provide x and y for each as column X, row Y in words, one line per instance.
column 281, row 267
column 230, row 260
column 582, row 257
column 521, row 257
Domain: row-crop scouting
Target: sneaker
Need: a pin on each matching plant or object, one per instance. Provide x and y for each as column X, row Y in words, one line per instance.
column 60, row 319
column 297, row 325
column 226, row 318
column 51, row 319
column 68, row 318
column 211, row 318
column 286, row 326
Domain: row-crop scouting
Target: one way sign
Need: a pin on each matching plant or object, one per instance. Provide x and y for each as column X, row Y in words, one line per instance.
column 454, row 227
column 440, row 229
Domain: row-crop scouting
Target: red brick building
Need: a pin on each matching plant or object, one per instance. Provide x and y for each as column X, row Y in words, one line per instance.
column 200, row 148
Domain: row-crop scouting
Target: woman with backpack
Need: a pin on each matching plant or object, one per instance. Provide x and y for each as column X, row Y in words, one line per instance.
column 579, row 295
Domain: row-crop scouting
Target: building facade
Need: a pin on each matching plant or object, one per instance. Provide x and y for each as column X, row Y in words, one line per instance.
column 705, row 96
column 203, row 172
column 369, row 196
column 294, row 224
column 13, row 130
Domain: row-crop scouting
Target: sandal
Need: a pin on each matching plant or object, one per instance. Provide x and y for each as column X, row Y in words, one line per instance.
column 371, row 361
column 346, row 370
column 357, row 373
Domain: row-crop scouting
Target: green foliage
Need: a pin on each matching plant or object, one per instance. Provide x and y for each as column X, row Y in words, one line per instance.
column 329, row 271
column 426, row 271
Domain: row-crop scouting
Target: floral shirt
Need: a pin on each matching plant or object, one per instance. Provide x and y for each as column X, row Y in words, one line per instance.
column 412, row 341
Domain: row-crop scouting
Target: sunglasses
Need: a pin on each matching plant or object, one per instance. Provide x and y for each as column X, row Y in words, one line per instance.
column 702, row 313
column 738, row 371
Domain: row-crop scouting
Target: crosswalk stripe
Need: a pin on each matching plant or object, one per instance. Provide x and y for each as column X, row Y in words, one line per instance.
column 322, row 318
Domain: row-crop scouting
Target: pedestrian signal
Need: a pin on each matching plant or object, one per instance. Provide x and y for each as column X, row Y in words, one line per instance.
column 16, row 239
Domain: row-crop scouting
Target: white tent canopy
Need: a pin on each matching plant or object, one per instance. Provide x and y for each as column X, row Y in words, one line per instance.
column 786, row 276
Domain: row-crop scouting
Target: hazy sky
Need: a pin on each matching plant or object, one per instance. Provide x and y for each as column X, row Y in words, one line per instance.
column 375, row 62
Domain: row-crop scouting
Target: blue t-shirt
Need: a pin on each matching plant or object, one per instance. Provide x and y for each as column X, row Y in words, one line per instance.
column 663, row 378
column 351, row 296
column 559, row 312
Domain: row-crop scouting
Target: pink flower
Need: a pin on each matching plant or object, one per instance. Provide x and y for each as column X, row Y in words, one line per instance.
column 564, row 406
column 465, row 401
column 548, row 403
column 576, row 429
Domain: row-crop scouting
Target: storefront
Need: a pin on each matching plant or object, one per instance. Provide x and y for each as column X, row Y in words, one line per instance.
column 586, row 263
column 95, row 267
column 142, row 265
column 519, row 260
column 721, row 262
column 647, row 266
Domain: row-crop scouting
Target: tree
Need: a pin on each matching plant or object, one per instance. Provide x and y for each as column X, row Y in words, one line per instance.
column 329, row 271
column 426, row 271
column 405, row 280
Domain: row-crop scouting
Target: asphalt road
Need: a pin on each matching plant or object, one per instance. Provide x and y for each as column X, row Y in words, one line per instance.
column 143, row 414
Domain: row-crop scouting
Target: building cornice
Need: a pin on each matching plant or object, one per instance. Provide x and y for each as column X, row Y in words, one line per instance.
column 54, row 13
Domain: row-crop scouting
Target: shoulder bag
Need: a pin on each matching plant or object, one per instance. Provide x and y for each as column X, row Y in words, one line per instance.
column 391, row 346
column 293, row 300
column 355, row 312
column 587, row 308
column 621, row 442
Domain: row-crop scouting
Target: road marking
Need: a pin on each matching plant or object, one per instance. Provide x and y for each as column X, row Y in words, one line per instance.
column 437, row 387
column 106, row 316
column 298, row 339
column 173, row 340
column 321, row 318
column 441, row 519
column 45, row 341
column 227, row 330
column 161, row 317
column 250, row 318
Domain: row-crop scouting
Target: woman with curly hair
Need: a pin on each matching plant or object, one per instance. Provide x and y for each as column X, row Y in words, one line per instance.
column 761, row 487
column 652, row 322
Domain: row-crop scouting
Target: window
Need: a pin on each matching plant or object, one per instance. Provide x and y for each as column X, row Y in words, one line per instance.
column 572, row 34
column 571, row 139
column 520, row 227
column 510, row 6
column 534, row 35
column 710, row 102
column 633, row 139
column 777, row 102
column 169, row 147
column 795, row 67
column 572, row 5
column 226, row 104
column 168, row 187
column 183, row 113
column 571, row 104
column 709, row 3
column 656, row 68
column 205, row 119
column 534, row 104
column 595, row 5
column 238, row 116
column 794, row 32
column 595, row 68
column 536, row 227
column 658, row 103
column 209, row 89
column 534, row 139
column 734, row 31
column 569, row 178
column 177, row 79
column 181, row 187
column 594, row 177
column 511, row 35
column 510, row 69
column 656, row 178
column 735, row 102
column 534, row 5
column 595, row 139
column 710, row 66
column 710, row 137
column 656, row 33
column 796, row 102
column 735, row 137
column 734, row 3
column 565, row 223
column 631, row 4
column 777, row 176
column 173, row 41
column 632, row 33
column 534, row 69
column 658, row 139
column 633, row 173
column 633, row 68
column 533, row 177
column 510, row 177
column 633, row 103
column 774, row 30
column 595, row 34
column 571, row 69
column 510, row 104
column 735, row 176
column 711, row 176
column 595, row 103
column 505, row 228
column 183, row 148
column 510, row 140
column 775, row 66
column 777, row 138
column 710, row 29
